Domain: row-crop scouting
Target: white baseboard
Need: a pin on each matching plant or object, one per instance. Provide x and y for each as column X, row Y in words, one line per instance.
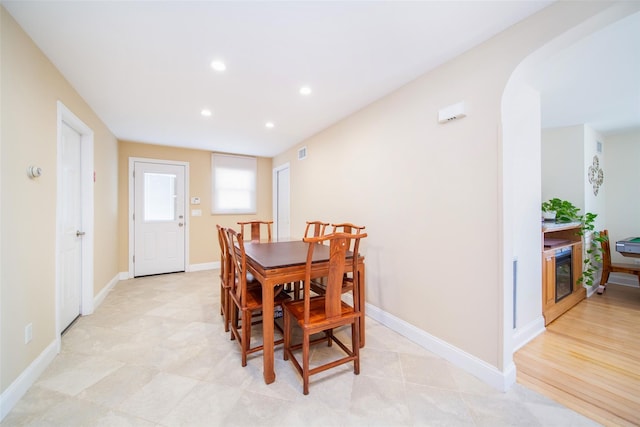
column 485, row 372
column 97, row 300
column 525, row 334
column 592, row 289
column 204, row 266
column 26, row 379
column 29, row 376
column 623, row 279
column 125, row 275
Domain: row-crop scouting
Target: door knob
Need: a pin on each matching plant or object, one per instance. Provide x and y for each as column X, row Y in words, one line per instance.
column 80, row 233
column 180, row 224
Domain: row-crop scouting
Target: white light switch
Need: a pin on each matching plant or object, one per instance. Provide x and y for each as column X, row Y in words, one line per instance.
column 195, row 200
column 196, row 212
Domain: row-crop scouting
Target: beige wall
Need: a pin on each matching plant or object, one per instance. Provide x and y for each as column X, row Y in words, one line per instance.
column 431, row 194
column 203, row 243
column 30, row 89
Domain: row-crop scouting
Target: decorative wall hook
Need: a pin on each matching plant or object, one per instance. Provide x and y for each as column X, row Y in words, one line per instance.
column 34, row 171
column 596, row 175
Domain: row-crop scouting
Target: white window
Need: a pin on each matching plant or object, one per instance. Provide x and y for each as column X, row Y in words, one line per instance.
column 233, row 184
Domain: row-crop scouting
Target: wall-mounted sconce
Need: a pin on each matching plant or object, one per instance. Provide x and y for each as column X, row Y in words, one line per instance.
column 34, row 171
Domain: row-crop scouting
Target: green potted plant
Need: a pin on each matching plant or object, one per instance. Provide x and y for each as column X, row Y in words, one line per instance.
column 566, row 212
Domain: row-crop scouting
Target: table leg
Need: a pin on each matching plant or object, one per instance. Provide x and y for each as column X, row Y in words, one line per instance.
column 267, row 334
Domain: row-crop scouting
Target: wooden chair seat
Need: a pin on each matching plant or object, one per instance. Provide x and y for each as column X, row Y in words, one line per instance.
column 246, row 299
column 253, row 298
column 608, row 267
column 317, row 315
column 324, row 313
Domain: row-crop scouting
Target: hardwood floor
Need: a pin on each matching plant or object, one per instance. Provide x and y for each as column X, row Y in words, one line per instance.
column 589, row 358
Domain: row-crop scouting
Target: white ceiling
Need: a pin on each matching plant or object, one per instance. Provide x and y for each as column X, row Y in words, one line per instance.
column 595, row 81
column 144, row 68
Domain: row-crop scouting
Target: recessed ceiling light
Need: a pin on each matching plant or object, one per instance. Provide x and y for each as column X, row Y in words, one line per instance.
column 269, row 125
column 305, row 90
column 218, row 65
column 206, row 113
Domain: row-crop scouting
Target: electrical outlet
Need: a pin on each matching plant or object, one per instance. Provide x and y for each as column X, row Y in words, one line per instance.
column 28, row 333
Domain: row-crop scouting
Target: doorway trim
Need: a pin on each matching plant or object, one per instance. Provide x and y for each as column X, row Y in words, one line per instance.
column 86, row 189
column 187, row 212
column 276, row 195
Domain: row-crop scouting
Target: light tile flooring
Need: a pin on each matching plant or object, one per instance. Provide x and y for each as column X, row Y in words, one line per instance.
column 155, row 354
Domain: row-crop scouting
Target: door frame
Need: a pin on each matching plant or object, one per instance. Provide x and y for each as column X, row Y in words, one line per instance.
column 87, row 208
column 187, row 212
column 276, row 194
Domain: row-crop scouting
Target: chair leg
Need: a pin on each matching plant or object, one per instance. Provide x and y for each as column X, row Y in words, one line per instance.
column 246, row 335
column 286, row 334
column 305, row 363
column 229, row 307
column 233, row 322
column 225, row 308
column 355, row 345
column 221, row 300
column 603, row 281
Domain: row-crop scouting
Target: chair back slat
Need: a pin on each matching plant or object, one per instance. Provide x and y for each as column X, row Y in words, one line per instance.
column 225, row 259
column 338, row 247
column 317, row 228
column 239, row 265
column 349, row 228
column 256, row 229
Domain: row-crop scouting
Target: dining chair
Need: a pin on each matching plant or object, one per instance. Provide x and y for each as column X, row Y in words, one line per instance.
column 225, row 277
column 246, row 300
column 313, row 229
column 608, row 267
column 316, row 314
column 256, row 227
column 319, row 285
column 316, row 228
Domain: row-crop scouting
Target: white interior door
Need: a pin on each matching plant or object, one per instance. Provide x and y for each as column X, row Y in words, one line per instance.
column 282, row 202
column 159, row 218
column 72, row 231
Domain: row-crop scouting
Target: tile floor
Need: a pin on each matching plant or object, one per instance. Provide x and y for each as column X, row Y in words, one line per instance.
column 155, row 354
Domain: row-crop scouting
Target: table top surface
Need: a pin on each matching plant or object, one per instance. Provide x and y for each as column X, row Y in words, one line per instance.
column 285, row 254
column 630, row 240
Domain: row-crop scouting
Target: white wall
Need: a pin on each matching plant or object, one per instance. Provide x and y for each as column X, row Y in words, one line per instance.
column 563, row 164
column 568, row 153
column 594, row 203
column 622, row 188
column 521, row 115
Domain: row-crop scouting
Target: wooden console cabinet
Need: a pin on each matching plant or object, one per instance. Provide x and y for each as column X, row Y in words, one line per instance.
column 554, row 238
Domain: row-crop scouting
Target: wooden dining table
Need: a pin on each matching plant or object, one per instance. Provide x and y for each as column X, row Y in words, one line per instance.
column 277, row 263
